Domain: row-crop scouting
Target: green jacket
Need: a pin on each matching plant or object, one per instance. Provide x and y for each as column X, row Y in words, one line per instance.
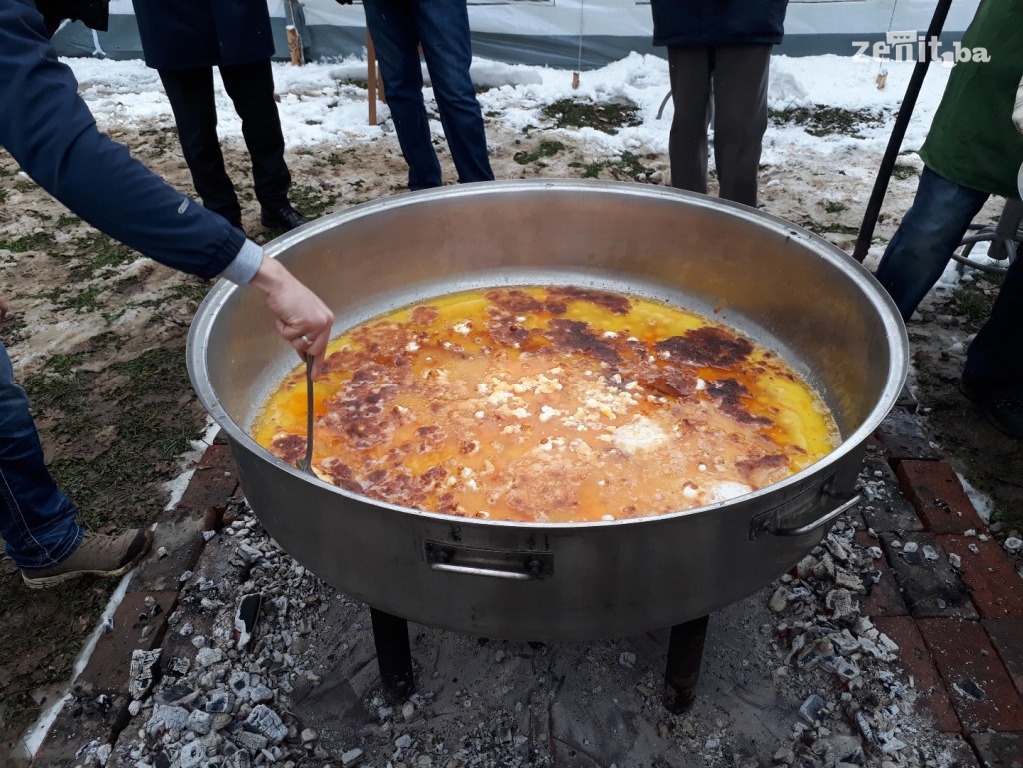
column 972, row 140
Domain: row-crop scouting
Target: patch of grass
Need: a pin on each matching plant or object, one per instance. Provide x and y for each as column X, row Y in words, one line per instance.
column 971, row 304
column 161, row 138
column 832, row 206
column 590, row 170
column 86, row 300
column 819, row 228
column 37, row 241
column 628, row 166
column 64, row 365
column 842, row 229
column 59, row 619
column 192, row 288
column 14, row 329
column 53, row 295
column 822, row 120
column 148, row 367
column 546, row 149
column 608, row 116
column 112, row 478
column 338, row 158
column 127, row 285
column 98, row 253
column 60, row 388
column 111, row 316
column 310, row 201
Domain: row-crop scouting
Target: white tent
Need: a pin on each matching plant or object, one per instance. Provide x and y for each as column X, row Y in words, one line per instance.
column 571, row 34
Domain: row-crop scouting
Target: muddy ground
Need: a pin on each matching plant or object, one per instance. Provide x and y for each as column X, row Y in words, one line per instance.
column 97, row 337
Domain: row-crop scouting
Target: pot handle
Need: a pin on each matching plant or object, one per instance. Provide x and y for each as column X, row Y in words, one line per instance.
column 767, row 521
column 501, row 564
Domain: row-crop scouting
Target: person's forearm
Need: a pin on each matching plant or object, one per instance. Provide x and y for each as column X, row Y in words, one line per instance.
column 50, row 132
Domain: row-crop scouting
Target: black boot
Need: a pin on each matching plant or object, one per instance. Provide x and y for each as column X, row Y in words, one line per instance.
column 1001, row 406
column 284, row 218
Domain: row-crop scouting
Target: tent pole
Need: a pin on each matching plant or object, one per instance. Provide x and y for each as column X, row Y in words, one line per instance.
column 884, row 172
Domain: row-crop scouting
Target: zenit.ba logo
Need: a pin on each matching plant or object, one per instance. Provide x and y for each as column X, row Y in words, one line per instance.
column 911, row 46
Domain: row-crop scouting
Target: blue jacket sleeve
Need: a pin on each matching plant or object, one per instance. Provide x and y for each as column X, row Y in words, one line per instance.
column 51, row 134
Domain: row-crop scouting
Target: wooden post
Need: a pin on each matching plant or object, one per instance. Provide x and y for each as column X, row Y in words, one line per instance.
column 295, row 46
column 371, row 78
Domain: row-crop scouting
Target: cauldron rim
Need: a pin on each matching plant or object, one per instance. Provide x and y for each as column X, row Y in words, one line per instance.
column 223, row 290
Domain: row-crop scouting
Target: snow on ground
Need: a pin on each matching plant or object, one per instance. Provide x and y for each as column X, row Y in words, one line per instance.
column 321, row 102
column 325, row 103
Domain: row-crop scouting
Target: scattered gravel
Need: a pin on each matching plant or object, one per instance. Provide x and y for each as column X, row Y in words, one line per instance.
column 239, row 694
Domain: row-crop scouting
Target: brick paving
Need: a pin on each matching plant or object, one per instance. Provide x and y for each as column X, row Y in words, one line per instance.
column 958, row 619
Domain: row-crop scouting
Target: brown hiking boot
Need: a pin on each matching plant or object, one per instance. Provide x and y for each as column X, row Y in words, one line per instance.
column 97, row 555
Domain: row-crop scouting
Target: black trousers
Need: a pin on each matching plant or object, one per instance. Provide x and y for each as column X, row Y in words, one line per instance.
column 251, row 88
column 734, row 79
column 994, row 357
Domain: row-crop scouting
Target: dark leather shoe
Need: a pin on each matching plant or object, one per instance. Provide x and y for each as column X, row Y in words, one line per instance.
column 1002, row 406
column 285, row 218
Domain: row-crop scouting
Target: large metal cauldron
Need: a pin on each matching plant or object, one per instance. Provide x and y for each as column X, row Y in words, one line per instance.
column 776, row 282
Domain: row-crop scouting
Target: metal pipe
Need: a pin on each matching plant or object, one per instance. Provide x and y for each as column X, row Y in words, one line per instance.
column 884, row 172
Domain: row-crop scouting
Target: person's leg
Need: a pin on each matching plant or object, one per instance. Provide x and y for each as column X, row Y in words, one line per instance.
column 993, row 375
column 190, row 92
column 996, row 353
column 444, row 31
column 392, row 27
column 740, row 118
column 38, row 522
column 930, row 232
column 689, row 71
column 251, row 88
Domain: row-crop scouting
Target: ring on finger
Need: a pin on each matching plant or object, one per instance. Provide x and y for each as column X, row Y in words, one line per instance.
column 306, row 341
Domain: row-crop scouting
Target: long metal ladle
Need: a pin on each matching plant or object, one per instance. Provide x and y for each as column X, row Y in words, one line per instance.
column 306, row 463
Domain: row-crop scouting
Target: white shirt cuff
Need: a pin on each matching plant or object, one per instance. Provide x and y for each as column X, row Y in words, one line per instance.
column 245, row 264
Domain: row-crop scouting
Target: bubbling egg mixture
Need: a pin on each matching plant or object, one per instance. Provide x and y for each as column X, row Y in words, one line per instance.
column 553, row 404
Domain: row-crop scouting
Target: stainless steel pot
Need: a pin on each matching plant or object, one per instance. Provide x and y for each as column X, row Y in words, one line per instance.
column 776, row 282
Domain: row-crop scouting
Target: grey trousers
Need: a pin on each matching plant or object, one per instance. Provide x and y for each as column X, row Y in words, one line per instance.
column 728, row 83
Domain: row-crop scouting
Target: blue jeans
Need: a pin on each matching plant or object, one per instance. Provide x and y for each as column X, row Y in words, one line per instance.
column 38, row 522
column 398, row 28
column 930, row 232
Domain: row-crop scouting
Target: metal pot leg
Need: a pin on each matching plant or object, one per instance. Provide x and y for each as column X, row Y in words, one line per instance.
column 682, row 672
column 394, row 656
